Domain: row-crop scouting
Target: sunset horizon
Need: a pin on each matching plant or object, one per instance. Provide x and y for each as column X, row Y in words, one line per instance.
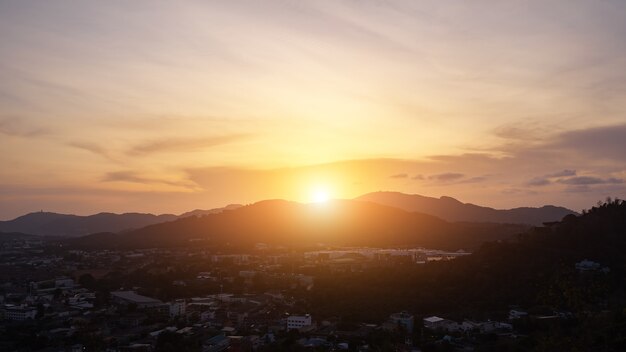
column 312, row 175
column 162, row 108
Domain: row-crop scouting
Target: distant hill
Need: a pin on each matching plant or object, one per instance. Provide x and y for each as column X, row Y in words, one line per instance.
column 451, row 209
column 200, row 212
column 341, row 222
column 53, row 224
column 64, row 225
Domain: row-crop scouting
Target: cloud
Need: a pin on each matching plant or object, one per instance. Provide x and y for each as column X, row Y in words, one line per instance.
column 418, row 177
column 589, row 180
column 518, row 191
column 399, row 176
column 605, row 142
column 134, row 177
column 526, row 131
column 17, row 127
column 446, row 177
column 538, row 181
column 92, row 148
column 476, row 179
column 563, row 173
column 182, row 144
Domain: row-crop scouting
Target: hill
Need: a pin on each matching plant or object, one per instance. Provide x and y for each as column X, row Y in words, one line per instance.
column 340, row 222
column 66, row 225
column 201, row 212
column 451, row 209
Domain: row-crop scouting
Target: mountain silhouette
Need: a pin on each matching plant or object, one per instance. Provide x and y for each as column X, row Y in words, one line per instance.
column 339, row 222
column 65, row 225
column 451, row 209
column 201, row 212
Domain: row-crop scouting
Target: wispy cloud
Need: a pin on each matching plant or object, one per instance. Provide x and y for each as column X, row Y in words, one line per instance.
column 446, row 177
column 135, row 177
column 538, row 181
column 18, row 127
column 399, row 176
column 476, row 179
column 604, row 142
column 563, row 173
column 93, row 148
column 590, row 180
column 182, row 144
column 546, row 179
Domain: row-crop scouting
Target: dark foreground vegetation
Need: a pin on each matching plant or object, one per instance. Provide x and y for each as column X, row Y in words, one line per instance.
column 537, row 272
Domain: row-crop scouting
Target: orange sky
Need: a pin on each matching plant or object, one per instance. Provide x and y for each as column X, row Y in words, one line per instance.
column 156, row 106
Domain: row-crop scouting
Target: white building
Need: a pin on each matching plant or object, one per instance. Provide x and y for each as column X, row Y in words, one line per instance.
column 299, row 321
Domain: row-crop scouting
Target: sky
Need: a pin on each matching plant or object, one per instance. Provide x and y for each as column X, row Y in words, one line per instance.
column 165, row 107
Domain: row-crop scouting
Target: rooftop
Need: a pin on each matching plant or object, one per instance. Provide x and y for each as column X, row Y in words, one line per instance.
column 134, row 297
column 433, row 319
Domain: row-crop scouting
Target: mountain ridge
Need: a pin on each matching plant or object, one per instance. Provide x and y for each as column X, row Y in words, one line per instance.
column 69, row 225
column 341, row 222
column 451, row 209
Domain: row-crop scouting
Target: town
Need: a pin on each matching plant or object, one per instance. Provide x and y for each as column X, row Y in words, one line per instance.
column 62, row 299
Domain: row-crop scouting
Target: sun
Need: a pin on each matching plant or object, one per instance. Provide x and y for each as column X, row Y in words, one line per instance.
column 320, row 195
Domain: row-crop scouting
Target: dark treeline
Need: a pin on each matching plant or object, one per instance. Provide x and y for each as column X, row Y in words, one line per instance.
column 536, row 272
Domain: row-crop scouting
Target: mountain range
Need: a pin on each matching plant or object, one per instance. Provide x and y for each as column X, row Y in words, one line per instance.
column 450, row 209
column 445, row 208
column 65, row 225
column 279, row 222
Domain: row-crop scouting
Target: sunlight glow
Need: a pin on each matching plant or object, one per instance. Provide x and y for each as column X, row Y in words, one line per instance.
column 320, row 195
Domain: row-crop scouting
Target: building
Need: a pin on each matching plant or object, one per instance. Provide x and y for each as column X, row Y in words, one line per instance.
column 299, row 321
column 19, row 313
column 216, row 343
column 131, row 297
column 434, row 322
column 517, row 314
column 588, row 265
column 64, row 283
column 493, row 326
column 178, row 308
column 149, row 304
column 403, row 320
